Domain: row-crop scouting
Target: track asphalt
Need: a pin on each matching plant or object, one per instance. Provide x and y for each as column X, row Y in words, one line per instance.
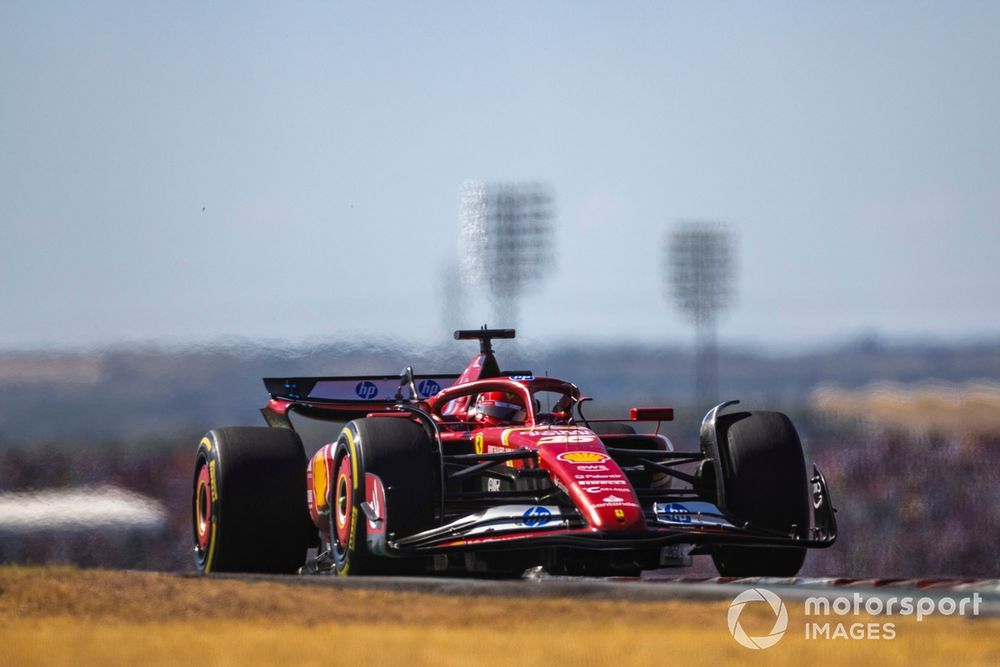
column 657, row 587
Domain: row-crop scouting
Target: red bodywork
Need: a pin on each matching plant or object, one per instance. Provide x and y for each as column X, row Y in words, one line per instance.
column 564, row 484
column 575, row 457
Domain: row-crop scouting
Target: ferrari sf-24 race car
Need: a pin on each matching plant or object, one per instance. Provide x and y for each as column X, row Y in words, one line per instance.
column 495, row 472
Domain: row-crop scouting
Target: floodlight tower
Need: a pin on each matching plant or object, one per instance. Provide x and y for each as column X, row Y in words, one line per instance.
column 507, row 241
column 452, row 296
column 699, row 272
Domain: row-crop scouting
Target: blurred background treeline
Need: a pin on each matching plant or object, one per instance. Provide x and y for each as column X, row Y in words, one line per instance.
column 908, row 436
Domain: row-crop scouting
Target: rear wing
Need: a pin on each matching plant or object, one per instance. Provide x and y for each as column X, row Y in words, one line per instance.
column 377, row 390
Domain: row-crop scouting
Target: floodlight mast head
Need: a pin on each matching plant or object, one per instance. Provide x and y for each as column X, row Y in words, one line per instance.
column 473, row 232
column 507, row 239
column 699, row 262
column 698, row 265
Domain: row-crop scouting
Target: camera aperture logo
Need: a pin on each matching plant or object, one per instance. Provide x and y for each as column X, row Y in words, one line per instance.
column 868, row 612
column 780, row 621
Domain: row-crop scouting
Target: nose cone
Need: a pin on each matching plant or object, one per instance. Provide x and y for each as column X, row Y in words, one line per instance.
column 598, row 487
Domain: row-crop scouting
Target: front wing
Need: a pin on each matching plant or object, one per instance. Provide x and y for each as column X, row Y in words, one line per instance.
column 685, row 522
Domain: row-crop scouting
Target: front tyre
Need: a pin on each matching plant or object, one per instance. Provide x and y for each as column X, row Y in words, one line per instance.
column 249, row 501
column 766, row 484
column 398, row 452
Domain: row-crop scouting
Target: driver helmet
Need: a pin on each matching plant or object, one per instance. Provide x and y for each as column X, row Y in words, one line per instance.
column 495, row 408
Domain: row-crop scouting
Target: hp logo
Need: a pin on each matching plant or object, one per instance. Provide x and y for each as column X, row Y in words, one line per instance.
column 536, row 516
column 682, row 514
column 366, row 390
column 428, row 388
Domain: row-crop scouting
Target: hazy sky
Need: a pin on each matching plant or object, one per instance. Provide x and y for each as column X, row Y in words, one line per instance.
column 176, row 172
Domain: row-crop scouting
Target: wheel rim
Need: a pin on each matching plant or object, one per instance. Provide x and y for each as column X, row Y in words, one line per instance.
column 343, row 500
column 204, row 519
column 203, row 508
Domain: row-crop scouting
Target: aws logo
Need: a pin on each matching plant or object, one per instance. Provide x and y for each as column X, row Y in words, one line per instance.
column 583, row 457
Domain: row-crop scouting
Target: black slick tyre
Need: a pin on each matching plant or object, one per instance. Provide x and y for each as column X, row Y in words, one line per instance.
column 249, row 501
column 398, row 452
column 765, row 484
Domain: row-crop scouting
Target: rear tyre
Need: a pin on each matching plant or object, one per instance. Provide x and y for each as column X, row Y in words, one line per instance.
column 249, row 501
column 397, row 451
column 766, row 484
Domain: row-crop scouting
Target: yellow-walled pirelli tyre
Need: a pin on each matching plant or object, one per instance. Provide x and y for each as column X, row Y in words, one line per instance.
column 399, row 452
column 249, row 501
column 765, row 484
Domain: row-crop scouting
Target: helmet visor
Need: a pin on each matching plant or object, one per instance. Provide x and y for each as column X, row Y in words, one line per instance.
column 501, row 411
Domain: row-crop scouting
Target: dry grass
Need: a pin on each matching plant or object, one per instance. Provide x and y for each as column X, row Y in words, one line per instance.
column 921, row 409
column 65, row 616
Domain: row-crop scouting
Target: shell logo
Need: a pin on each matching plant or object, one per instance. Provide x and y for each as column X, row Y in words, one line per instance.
column 583, row 457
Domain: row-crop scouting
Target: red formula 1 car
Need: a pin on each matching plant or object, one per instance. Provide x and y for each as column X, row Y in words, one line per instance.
column 495, row 472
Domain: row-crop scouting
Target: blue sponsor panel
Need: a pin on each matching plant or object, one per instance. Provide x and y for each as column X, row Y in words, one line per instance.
column 692, row 513
column 365, row 388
